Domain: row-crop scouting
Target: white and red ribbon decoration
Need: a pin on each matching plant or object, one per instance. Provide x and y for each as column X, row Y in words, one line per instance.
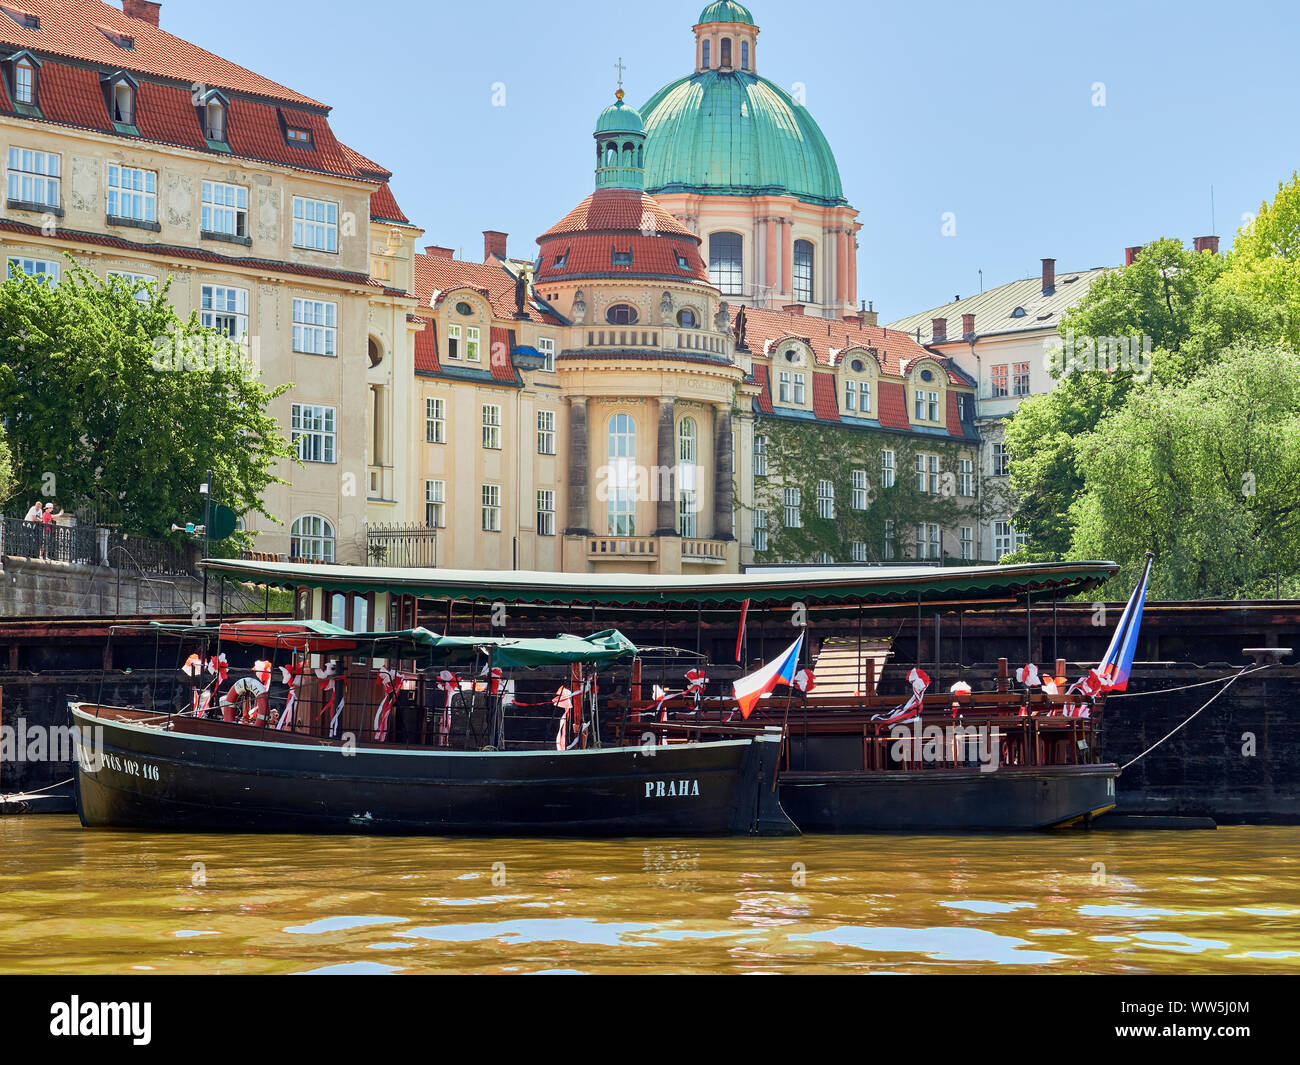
column 563, row 699
column 291, row 675
column 920, row 681
column 958, row 690
column 805, row 681
column 696, row 679
column 333, row 686
column 450, row 685
column 1028, row 676
column 391, row 681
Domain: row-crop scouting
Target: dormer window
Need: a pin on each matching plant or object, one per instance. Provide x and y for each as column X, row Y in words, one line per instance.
column 124, row 103
column 561, row 259
column 22, row 77
column 214, row 119
column 683, row 263
column 25, row 19
column 621, row 258
column 122, row 40
column 297, row 135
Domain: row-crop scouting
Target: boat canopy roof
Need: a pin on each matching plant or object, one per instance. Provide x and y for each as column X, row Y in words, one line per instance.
column 832, row 586
column 320, row 637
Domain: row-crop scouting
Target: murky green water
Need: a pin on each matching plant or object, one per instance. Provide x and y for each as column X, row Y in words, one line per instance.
column 80, row 901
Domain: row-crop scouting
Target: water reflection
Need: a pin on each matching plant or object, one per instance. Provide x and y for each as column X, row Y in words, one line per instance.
column 115, row 902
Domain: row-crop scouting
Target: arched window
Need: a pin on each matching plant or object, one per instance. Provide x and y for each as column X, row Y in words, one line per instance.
column 688, row 319
column 312, row 537
column 687, row 495
column 744, row 55
column 803, row 271
column 706, row 64
column 726, row 51
column 726, row 264
column 629, row 153
column 621, row 489
column 621, row 314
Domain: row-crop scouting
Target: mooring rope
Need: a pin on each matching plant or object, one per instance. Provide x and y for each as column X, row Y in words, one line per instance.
column 1184, row 687
column 1231, row 681
column 24, row 794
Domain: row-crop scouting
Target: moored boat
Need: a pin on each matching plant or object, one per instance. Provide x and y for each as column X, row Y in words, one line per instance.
column 229, row 759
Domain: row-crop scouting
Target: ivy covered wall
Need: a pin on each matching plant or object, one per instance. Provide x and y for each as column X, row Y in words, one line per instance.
column 802, row 453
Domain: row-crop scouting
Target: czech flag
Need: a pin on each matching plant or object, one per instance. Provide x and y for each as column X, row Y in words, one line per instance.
column 1118, row 661
column 780, row 670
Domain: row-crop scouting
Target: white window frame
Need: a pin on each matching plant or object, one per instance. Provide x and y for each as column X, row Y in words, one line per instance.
column 24, row 81
column 826, row 499
column 967, row 534
column 546, row 346
column 453, row 340
column 314, row 432
column 315, row 224
column 224, row 209
column 760, row 530
column 800, row 389
column 472, row 353
column 142, row 295
column 858, row 496
column 1001, row 460
column 225, row 309
column 792, row 500
column 33, row 267
column 1020, row 378
column 36, row 177
column 435, row 504
column 887, row 472
column 887, row 540
column 492, row 426
column 315, row 327
column 545, row 512
column 929, row 541
column 966, row 477
column 134, row 192
column 927, row 473
column 858, row 550
column 760, row 456
column 864, row 397
column 491, row 508
column 546, row 432
column 926, row 405
column 435, row 420
column 315, row 541
column 783, row 386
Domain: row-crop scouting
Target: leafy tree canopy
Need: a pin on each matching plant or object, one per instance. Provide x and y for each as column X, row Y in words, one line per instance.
column 115, row 403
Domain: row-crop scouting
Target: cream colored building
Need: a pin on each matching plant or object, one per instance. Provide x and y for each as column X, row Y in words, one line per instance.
column 141, row 155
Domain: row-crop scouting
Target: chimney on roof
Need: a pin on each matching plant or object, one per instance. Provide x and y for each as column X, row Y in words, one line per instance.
column 1210, row 244
column 870, row 316
column 793, row 308
column 967, row 326
column 1049, row 276
column 938, row 330
column 494, row 244
column 1131, row 254
column 439, row 252
column 144, row 10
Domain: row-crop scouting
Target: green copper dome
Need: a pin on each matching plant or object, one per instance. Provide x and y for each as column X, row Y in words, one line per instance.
column 725, row 11
column 730, row 133
column 619, row 117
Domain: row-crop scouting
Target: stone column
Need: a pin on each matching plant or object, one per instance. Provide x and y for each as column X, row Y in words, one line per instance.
column 666, row 459
column 841, row 266
column 853, row 269
column 770, row 232
column 579, row 518
column 724, row 489
column 787, row 253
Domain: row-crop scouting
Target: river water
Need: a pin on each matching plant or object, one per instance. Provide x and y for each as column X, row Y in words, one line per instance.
column 77, row 901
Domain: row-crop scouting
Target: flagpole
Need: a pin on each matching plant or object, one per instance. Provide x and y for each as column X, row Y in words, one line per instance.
column 785, row 723
column 1128, row 621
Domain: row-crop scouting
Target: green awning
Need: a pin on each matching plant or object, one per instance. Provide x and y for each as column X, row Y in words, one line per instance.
column 840, row 586
column 597, row 649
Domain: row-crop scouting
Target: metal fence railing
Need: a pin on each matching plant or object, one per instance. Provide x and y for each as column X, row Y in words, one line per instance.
column 57, row 543
column 142, row 555
column 401, row 545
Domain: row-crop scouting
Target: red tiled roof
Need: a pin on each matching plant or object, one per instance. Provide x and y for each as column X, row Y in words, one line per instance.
column 502, row 366
column 893, row 405
column 621, row 211
column 166, row 114
column 954, row 416
column 364, row 164
column 765, row 388
column 200, row 254
column 592, row 255
column 383, row 206
column 442, row 275
column 426, row 347
column 70, row 28
column 824, row 334
column 825, row 396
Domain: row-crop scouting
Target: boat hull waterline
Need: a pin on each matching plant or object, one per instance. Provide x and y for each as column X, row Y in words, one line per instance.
column 134, row 772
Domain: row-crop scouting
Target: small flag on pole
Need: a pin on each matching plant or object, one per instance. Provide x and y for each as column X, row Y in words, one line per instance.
column 740, row 634
column 751, row 688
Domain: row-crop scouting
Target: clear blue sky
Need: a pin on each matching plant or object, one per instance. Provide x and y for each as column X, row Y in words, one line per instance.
column 985, row 110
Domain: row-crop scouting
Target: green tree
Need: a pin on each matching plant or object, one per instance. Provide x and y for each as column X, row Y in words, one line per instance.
column 1205, row 474
column 1264, row 263
column 113, row 401
column 6, row 470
